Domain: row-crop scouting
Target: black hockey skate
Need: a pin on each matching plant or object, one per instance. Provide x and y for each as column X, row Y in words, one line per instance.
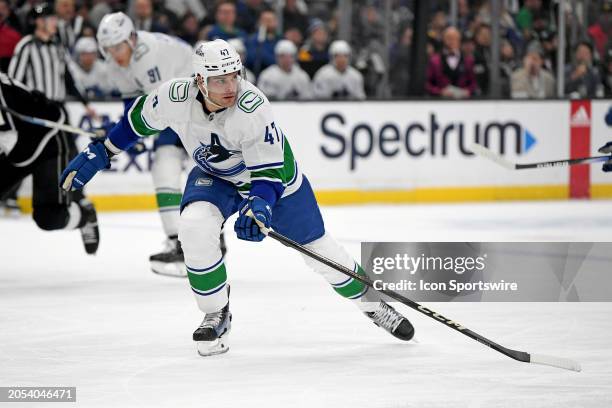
column 90, row 233
column 389, row 319
column 212, row 337
column 171, row 261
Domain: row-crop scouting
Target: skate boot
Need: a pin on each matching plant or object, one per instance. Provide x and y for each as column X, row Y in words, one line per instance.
column 389, row 319
column 212, row 337
column 171, row 261
column 89, row 226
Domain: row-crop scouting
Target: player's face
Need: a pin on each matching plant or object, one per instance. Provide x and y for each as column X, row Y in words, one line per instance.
column 285, row 61
column 222, row 89
column 341, row 61
column 121, row 53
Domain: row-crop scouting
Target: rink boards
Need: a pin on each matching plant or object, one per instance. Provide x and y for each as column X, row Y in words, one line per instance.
column 413, row 151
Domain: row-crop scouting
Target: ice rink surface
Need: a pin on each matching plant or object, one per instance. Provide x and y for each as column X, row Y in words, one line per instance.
column 122, row 335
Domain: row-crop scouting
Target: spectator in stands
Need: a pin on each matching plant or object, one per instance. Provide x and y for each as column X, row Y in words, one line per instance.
column 238, row 45
column 607, row 74
column 338, row 80
column 400, row 64
column 468, row 44
column 525, row 19
column 90, row 71
column 437, row 26
column 465, row 15
column 294, row 15
column 294, row 35
column 532, row 81
column 248, row 14
column 69, row 24
column 450, row 74
column 313, row 54
column 189, row 29
column 225, row 23
column 582, row 79
column 548, row 39
column 143, row 17
column 285, row 80
column 9, row 34
column 507, row 64
column 482, row 57
column 260, row 45
column 602, row 29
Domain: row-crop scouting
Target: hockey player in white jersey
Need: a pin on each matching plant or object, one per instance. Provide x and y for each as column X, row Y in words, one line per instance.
column 90, row 72
column 243, row 163
column 338, row 79
column 139, row 62
column 285, row 80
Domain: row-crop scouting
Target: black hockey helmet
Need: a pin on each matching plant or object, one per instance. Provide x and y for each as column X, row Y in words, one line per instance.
column 38, row 11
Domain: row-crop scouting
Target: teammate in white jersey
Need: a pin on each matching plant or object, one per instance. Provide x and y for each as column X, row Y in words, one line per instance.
column 243, row 163
column 89, row 71
column 285, row 80
column 139, row 62
column 338, row 79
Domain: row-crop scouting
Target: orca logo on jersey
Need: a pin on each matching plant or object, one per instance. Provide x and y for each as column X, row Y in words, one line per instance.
column 209, row 156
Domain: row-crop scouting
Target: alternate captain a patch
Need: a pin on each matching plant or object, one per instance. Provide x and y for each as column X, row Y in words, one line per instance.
column 250, row 101
column 216, row 159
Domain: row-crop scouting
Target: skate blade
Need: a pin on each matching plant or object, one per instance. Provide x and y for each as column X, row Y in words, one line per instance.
column 211, row 348
column 173, row 269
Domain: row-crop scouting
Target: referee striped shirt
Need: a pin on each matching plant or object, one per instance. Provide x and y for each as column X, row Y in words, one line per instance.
column 41, row 66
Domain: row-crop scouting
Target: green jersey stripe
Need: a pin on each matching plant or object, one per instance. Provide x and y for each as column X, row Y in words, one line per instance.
column 137, row 122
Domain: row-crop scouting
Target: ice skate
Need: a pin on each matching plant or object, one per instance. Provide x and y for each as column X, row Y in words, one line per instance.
column 89, row 228
column 389, row 319
column 171, row 261
column 212, row 337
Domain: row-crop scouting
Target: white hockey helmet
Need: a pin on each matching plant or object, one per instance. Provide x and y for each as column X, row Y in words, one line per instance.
column 339, row 47
column 85, row 44
column 214, row 58
column 285, row 47
column 114, row 29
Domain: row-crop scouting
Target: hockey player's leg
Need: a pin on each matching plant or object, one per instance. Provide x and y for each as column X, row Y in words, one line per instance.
column 55, row 209
column 298, row 217
column 200, row 224
column 166, row 171
column 377, row 310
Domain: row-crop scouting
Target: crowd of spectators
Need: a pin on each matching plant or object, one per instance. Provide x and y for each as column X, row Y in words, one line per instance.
column 292, row 42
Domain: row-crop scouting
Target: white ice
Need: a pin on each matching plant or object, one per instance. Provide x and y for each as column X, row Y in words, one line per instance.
column 122, row 335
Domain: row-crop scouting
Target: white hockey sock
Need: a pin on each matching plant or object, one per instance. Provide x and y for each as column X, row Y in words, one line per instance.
column 199, row 229
column 166, row 171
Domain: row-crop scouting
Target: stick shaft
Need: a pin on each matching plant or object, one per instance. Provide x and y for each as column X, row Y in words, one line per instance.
column 561, row 163
column 48, row 123
column 516, row 355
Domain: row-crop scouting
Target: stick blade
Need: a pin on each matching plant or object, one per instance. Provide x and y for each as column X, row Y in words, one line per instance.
column 558, row 362
column 482, row 151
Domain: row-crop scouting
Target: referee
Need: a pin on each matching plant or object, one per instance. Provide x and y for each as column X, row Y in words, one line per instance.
column 40, row 62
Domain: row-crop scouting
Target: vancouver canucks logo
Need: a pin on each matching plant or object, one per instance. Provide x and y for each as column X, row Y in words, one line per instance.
column 216, row 159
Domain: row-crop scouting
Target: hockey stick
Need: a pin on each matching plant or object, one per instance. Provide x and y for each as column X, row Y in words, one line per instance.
column 514, row 354
column 487, row 153
column 49, row 123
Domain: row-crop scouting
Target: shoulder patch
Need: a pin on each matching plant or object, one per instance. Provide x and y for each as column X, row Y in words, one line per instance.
column 250, row 101
column 179, row 91
column 140, row 51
